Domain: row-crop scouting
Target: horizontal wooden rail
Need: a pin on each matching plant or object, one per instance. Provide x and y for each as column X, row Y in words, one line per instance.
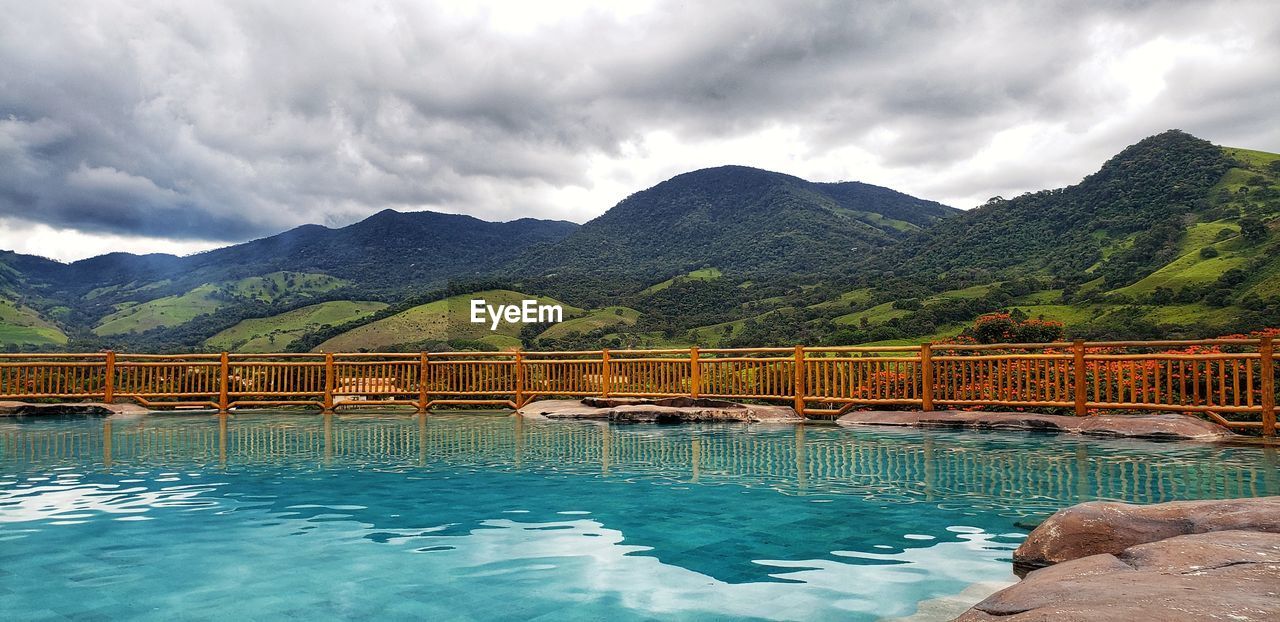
column 1231, row 381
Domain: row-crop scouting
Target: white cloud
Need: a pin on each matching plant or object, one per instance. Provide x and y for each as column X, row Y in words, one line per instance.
column 220, row 122
column 69, row 244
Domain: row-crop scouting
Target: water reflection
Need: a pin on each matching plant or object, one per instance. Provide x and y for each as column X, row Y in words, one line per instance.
column 1049, row 471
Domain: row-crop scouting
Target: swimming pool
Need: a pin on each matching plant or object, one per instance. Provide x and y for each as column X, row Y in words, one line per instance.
column 490, row 517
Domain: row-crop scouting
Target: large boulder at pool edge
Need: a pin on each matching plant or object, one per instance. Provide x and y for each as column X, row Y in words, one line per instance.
column 1225, row 575
column 1170, row 427
column 1107, row 527
column 666, row 410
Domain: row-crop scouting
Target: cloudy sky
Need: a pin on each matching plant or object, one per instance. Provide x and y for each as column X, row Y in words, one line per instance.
column 174, row 127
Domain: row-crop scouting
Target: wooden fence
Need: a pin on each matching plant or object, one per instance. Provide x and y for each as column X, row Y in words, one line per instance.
column 1231, row 381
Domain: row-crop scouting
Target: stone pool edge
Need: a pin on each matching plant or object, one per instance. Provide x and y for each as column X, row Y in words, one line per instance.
column 99, row 409
column 1181, row 560
column 1171, row 426
column 671, row 410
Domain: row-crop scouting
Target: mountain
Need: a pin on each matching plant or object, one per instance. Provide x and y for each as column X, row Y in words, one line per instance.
column 389, row 253
column 1171, row 237
column 1160, row 181
column 741, row 220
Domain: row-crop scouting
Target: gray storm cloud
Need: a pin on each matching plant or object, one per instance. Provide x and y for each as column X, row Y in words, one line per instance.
column 224, row 121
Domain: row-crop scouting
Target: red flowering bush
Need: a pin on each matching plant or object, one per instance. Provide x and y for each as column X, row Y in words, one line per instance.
column 1007, row 328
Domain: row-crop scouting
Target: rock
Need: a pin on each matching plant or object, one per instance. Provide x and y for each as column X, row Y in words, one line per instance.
column 24, row 409
column 669, row 410
column 679, row 402
column 1107, row 527
column 1225, row 575
column 1156, row 427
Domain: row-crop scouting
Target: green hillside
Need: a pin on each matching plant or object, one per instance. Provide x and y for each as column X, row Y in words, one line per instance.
column 703, row 274
column 171, row 311
column 285, row 285
column 606, row 319
column 23, row 327
column 742, row 220
column 278, row 332
column 162, row 312
column 876, row 315
column 439, row 321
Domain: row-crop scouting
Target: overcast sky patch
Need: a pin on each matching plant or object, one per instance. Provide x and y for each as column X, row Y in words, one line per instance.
column 148, row 126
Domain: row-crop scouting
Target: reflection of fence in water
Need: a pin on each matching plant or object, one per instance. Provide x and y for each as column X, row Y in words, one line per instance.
column 927, row 466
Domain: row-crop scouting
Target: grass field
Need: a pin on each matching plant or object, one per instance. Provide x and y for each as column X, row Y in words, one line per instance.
column 161, row 312
column 1046, row 297
column 1254, row 159
column 20, row 326
column 442, row 320
column 174, row 310
column 849, row 298
column 884, row 312
column 1067, row 314
column 1189, row 269
column 592, row 320
column 714, row 336
column 502, row 342
column 704, row 274
column 881, row 221
column 968, row 293
column 277, row 285
column 1193, row 314
column 875, row 315
column 276, row 333
column 1202, row 234
column 945, row 333
column 1267, row 281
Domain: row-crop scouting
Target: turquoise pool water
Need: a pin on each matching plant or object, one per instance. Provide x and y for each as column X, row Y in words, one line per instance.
column 487, row 517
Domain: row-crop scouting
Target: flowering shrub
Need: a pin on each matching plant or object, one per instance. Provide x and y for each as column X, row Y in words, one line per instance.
column 1005, row 328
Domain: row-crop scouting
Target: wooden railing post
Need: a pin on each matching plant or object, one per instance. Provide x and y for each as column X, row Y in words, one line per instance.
column 224, row 381
column 1268, row 354
column 926, row 377
column 799, row 380
column 422, row 383
column 695, row 373
column 519, row 371
column 604, row 373
column 329, row 382
column 109, row 378
column 1077, row 350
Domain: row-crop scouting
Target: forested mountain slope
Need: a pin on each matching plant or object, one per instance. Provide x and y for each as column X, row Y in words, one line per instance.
column 1155, row 183
column 743, row 221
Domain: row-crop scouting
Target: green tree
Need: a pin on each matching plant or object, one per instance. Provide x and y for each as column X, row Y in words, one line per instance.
column 1252, row 229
